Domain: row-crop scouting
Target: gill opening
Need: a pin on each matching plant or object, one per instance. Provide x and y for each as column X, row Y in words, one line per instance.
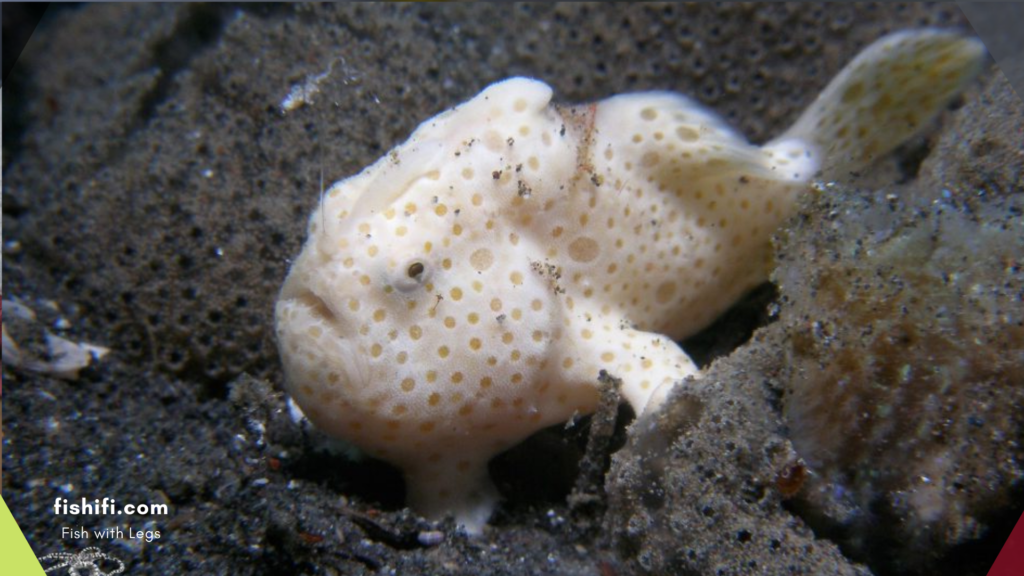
column 317, row 306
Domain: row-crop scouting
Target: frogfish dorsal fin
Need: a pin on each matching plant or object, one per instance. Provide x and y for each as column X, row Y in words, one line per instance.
column 884, row 96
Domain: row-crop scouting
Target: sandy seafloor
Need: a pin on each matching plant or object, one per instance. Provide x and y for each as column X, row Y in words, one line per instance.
column 154, row 192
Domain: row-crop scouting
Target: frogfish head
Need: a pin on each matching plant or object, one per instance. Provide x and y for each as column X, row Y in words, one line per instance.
column 417, row 314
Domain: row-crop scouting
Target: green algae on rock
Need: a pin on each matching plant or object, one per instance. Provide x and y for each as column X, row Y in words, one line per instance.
column 906, row 348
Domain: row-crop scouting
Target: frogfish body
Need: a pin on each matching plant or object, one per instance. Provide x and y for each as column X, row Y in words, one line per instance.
column 467, row 289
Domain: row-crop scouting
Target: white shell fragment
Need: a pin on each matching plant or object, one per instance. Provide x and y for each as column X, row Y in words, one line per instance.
column 64, row 358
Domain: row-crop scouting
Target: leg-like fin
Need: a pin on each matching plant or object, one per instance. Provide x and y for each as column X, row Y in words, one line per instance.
column 649, row 362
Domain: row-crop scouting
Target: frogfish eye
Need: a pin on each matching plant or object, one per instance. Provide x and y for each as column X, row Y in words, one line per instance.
column 412, row 275
column 416, row 270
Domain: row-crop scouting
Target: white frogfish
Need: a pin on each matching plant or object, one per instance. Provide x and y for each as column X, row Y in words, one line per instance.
column 467, row 289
